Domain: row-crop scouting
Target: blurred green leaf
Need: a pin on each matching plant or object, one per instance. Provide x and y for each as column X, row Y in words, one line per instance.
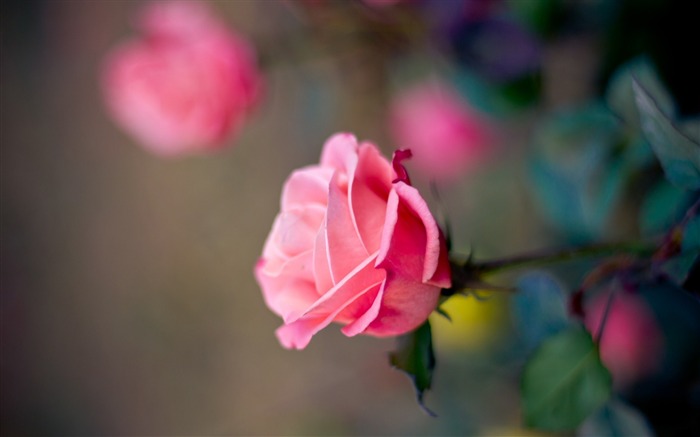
column 678, row 315
column 576, row 171
column 564, row 382
column 678, row 267
column 691, row 235
column 540, row 16
column 615, row 419
column 521, row 92
column 678, row 152
column 499, row 99
column 663, row 207
column 620, row 93
column 415, row 357
column 691, row 127
column 539, row 307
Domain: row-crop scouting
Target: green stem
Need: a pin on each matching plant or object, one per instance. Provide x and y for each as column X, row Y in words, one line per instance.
column 555, row 256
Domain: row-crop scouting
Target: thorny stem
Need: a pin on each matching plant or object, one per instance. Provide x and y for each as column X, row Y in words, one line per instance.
column 554, row 256
column 469, row 275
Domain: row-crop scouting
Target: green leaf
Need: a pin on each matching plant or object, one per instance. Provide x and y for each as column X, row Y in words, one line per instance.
column 564, row 382
column 615, row 419
column 677, row 149
column 414, row 356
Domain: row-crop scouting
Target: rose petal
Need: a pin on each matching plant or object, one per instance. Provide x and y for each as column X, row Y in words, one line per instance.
column 360, row 324
column 298, row 335
column 368, row 190
column 287, row 294
column 436, row 265
column 355, row 284
column 298, row 332
column 322, row 263
column 293, row 232
column 405, row 306
column 306, row 186
column 343, row 244
column 340, row 152
column 403, row 245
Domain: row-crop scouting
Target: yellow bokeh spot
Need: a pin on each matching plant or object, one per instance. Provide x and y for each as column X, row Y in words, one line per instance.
column 475, row 322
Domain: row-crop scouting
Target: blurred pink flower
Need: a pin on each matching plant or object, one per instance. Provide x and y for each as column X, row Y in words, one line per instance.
column 185, row 84
column 355, row 244
column 446, row 136
column 632, row 344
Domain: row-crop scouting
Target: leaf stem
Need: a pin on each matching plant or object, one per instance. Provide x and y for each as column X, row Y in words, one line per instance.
column 604, row 319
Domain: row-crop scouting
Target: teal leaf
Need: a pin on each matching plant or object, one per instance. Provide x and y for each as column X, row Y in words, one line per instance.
column 620, row 93
column 691, row 127
column 564, row 382
column 415, row 357
column 678, row 268
column 498, row 99
column 540, row 16
column 677, row 312
column 663, row 207
column 676, row 148
column 615, row 419
column 577, row 178
column 691, row 235
column 539, row 308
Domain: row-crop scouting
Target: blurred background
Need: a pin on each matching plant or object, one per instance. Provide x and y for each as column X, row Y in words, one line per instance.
column 128, row 301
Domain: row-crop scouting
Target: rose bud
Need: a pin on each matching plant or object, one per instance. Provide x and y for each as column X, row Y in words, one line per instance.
column 446, row 136
column 631, row 345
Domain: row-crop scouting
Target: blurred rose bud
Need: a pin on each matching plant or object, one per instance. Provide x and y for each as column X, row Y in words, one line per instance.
column 185, row 84
column 632, row 345
column 446, row 136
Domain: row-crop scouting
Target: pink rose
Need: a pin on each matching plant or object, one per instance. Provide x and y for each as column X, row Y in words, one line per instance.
column 446, row 136
column 632, row 345
column 186, row 84
column 355, row 244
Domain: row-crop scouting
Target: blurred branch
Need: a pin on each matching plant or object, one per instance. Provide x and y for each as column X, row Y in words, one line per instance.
column 554, row 256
